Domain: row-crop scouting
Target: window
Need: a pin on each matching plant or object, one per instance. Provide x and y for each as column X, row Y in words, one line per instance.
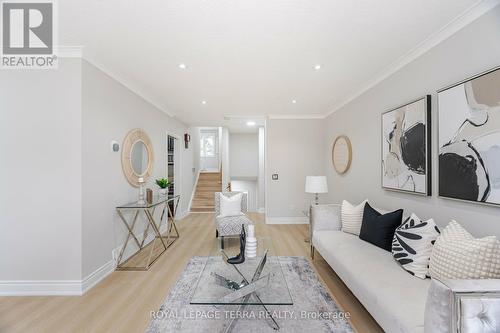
column 208, row 145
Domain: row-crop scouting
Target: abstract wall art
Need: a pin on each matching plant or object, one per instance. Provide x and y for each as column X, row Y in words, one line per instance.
column 406, row 148
column 469, row 139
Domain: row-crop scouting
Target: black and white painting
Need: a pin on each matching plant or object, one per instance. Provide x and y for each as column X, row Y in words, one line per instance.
column 469, row 139
column 406, row 148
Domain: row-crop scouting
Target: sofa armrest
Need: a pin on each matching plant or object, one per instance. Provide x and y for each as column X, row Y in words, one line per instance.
column 325, row 217
column 463, row 306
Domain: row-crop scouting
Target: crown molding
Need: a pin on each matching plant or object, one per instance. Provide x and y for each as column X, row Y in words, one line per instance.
column 129, row 85
column 239, row 116
column 296, row 116
column 468, row 16
column 77, row 52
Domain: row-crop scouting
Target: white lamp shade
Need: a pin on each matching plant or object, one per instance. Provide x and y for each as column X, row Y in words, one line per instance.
column 316, row 184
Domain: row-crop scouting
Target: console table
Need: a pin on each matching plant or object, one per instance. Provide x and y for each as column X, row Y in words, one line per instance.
column 132, row 211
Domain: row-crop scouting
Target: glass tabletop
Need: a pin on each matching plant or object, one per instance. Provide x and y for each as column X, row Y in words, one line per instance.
column 221, row 283
column 157, row 199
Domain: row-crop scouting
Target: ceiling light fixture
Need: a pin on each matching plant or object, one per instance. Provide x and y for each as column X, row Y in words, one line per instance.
column 251, row 123
column 182, row 66
column 294, row 101
column 203, row 102
column 317, row 67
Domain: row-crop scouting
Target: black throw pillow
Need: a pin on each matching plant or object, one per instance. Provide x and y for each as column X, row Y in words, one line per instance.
column 379, row 229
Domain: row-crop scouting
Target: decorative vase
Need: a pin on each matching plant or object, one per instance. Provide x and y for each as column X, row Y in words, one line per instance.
column 164, row 191
column 240, row 258
column 251, row 243
column 141, row 200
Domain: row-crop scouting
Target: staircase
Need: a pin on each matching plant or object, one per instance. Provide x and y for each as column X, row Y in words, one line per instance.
column 208, row 184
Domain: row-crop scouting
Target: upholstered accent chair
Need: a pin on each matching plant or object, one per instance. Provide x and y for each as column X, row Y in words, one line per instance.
column 230, row 225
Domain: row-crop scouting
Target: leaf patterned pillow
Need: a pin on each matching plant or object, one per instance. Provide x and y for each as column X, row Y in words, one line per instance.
column 412, row 245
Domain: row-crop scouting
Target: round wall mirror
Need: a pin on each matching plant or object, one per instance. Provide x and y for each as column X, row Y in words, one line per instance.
column 342, row 154
column 137, row 156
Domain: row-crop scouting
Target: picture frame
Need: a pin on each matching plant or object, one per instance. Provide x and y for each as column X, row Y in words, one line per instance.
column 469, row 139
column 406, row 148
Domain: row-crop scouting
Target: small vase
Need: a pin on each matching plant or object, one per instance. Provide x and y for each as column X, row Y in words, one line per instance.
column 251, row 243
column 164, row 191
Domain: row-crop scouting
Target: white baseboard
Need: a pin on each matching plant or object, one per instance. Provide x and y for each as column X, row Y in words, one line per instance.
column 56, row 287
column 181, row 215
column 287, row 220
column 64, row 287
column 98, row 275
column 41, row 288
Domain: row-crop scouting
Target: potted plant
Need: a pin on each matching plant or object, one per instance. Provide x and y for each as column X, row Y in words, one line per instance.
column 163, row 183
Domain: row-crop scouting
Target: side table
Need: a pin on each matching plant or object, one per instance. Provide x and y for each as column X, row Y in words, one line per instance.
column 148, row 209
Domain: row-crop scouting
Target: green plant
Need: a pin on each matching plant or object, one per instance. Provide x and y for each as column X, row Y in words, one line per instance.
column 163, row 182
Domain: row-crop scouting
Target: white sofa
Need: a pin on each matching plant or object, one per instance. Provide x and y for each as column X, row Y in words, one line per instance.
column 395, row 299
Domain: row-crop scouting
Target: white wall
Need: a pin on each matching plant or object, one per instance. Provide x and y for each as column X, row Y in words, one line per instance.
column 295, row 149
column 40, row 175
column 473, row 50
column 244, row 155
column 110, row 110
column 261, row 185
column 195, row 146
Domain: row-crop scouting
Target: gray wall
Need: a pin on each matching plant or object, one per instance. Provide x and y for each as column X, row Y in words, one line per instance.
column 40, row 175
column 472, row 50
column 244, row 155
column 110, row 110
column 294, row 150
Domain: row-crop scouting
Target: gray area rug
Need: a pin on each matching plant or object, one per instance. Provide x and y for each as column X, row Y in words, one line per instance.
column 313, row 309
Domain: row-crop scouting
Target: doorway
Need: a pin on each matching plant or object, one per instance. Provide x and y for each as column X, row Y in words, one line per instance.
column 209, row 150
column 173, row 166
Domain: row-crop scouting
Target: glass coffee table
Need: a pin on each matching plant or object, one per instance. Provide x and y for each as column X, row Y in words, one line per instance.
column 258, row 281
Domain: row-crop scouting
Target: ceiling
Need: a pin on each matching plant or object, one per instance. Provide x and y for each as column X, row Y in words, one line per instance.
column 245, row 124
column 249, row 57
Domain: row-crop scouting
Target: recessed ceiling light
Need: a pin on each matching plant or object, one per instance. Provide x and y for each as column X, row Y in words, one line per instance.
column 317, row 67
column 182, row 66
column 251, row 123
column 203, row 102
column 294, row 101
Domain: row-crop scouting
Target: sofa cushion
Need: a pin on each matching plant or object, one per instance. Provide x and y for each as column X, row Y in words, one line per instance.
column 379, row 229
column 458, row 255
column 412, row 245
column 325, row 217
column 393, row 297
column 352, row 216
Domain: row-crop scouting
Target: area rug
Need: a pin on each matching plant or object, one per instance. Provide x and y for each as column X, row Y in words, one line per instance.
column 313, row 309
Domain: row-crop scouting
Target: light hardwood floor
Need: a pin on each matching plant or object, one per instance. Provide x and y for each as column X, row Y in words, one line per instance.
column 122, row 302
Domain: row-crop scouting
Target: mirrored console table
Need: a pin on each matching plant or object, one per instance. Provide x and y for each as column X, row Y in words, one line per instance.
column 146, row 254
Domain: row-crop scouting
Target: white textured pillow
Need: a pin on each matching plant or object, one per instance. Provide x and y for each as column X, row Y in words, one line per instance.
column 352, row 217
column 458, row 255
column 412, row 245
column 230, row 206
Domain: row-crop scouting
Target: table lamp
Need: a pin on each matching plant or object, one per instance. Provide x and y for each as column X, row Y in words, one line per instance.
column 316, row 185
